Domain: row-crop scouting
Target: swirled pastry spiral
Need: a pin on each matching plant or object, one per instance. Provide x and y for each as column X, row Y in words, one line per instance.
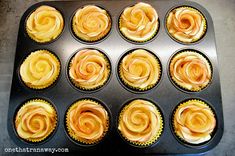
column 87, row 121
column 35, row 120
column 91, row 23
column 194, row 122
column 190, row 70
column 89, row 69
column 139, row 22
column 45, row 24
column 140, row 70
column 140, row 122
column 40, row 69
column 186, row 24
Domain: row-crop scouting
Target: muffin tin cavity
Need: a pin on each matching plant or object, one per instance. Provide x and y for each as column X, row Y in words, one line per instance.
column 87, row 122
column 139, row 70
column 190, row 70
column 140, row 123
column 40, row 69
column 91, row 24
column 35, row 121
column 89, row 69
column 112, row 69
column 194, row 123
column 186, row 24
column 45, row 24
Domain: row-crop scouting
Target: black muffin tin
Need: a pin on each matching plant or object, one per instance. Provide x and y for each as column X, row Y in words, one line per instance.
column 114, row 95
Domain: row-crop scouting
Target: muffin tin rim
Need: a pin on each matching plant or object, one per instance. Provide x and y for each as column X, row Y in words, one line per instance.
column 212, row 36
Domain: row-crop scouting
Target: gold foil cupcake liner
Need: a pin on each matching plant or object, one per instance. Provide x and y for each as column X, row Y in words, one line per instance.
column 53, row 127
column 153, row 140
column 194, row 89
column 96, row 87
column 138, row 88
column 203, row 18
column 92, row 40
column 72, row 134
column 185, row 104
column 129, row 39
column 53, row 80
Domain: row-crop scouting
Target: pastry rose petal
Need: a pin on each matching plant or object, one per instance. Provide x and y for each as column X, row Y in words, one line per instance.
column 139, row 22
column 140, row 121
column 89, row 69
column 40, row 69
column 190, row 70
column 140, row 69
column 35, row 120
column 194, row 122
column 186, row 24
column 44, row 24
column 91, row 23
column 87, row 121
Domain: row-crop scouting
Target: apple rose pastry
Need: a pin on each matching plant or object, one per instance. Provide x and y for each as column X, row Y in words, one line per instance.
column 35, row 120
column 91, row 23
column 140, row 70
column 194, row 122
column 87, row 121
column 40, row 69
column 140, row 123
column 139, row 23
column 89, row 69
column 186, row 24
column 44, row 24
column 190, row 71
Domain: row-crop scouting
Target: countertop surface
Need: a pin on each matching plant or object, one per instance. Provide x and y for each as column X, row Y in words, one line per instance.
column 222, row 12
